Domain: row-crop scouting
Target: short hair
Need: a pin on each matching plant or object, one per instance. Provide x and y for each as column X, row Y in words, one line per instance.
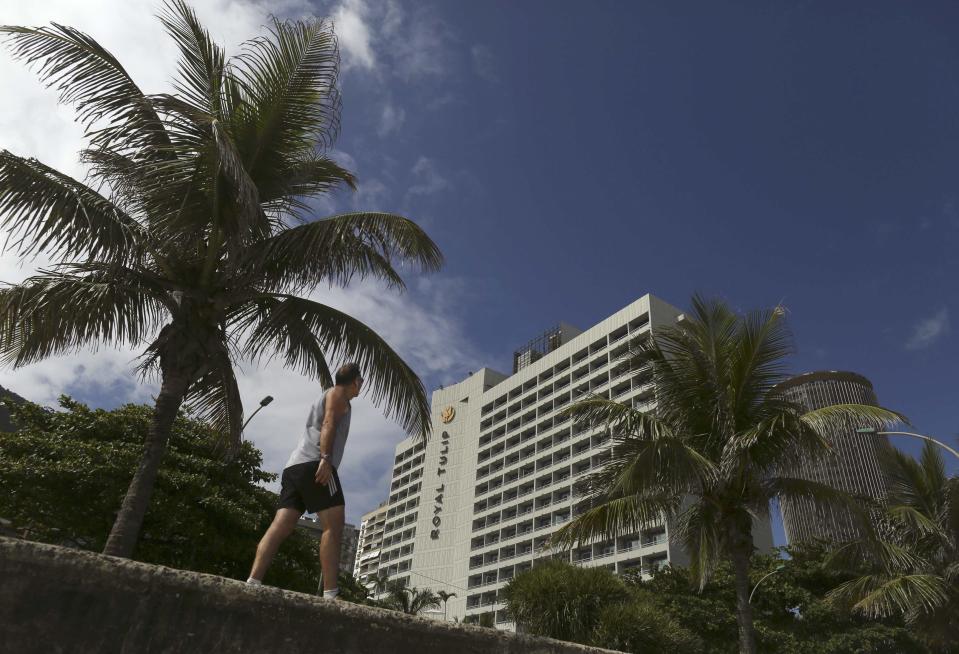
column 347, row 374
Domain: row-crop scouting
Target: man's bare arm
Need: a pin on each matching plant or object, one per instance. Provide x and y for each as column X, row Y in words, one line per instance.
column 336, row 408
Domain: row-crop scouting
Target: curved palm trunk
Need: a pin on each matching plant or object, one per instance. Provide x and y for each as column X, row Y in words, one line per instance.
column 126, row 529
column 740, row 552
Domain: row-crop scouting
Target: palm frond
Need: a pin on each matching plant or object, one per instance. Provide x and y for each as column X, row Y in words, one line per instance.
column 87, row 75
column 875, row 554
column 880, row 596
column 47, row 211
column 215, row 398
column 759, row 361
column 908, row 483
column 820, row 495
column 250, row 219
column 274, row 329
column 392, row 381
column 645, row 456
column 777, row 439
column 614, row 517
column 287, row 83
column 698, row 527
column 289, row 191
column 839, row 417
column 336, row 250
column 933, row 469
column 202, row 61
column 915, row 521
column 57, row 312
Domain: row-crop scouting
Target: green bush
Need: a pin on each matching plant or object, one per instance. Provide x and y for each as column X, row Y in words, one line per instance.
column 63, row 476
column 562, row 601
column 640, row 626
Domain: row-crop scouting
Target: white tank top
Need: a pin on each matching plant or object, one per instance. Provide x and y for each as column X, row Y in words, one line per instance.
column 308, row 449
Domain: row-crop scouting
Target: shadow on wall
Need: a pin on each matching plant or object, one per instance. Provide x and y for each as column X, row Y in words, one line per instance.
column 55, row 599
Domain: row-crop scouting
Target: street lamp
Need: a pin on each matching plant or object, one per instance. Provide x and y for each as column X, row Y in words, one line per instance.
column 875, row 432
column 266, row 400
column 779, row 568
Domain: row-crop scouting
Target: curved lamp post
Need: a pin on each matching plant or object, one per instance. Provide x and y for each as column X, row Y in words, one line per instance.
column 266, row 400
column 779, row 568
column 876, row 432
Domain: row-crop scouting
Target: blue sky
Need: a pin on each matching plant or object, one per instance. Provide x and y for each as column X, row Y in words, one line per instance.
column 569, row 158
column 803, row 153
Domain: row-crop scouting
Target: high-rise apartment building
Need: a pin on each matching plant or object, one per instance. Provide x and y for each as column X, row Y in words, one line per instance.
column 474, row 506
column 853, row 466
column 369, row 543
column 348, row 542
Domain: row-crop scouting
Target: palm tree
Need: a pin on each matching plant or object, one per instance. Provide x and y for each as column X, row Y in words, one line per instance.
column 409, row 599
column 710, row 456
column 192, row 237
column 445, row 597
column 381, row 584
column 559, row 600
column 912, row 560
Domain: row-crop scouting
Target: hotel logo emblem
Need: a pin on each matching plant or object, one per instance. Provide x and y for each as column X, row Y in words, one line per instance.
column 447, row 415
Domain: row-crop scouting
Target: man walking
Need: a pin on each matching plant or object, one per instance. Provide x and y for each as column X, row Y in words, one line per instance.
column 310, row 482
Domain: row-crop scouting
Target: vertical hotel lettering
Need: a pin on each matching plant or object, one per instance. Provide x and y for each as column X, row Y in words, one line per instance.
column 447, row 417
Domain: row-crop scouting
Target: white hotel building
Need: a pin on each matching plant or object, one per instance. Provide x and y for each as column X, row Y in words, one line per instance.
column 474, row 506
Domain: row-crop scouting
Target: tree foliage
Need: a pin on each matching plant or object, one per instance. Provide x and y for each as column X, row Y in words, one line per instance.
column 194, row 237
column 909, row 563
column 63, row 473
column 408, row 599
column 717, row 446
column 670, row 612
column 561, row 601
column 793, row 614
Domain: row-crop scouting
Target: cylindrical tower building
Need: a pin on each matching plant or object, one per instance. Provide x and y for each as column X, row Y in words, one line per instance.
column 853, row 467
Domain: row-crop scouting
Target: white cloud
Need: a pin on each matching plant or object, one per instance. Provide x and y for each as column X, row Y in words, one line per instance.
column 391, row 119
column 929, row 330
column 424, row 330
column 422, row 325
column 423, row 49
column 430, row 180
column 392, row 18
column 344, row 159
column 380, row 38
column 354, row 35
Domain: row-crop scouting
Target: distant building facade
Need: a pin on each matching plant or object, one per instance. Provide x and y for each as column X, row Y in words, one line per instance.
column 853, row 467
column 369, row 543
column 347, row 545
column 474, row 505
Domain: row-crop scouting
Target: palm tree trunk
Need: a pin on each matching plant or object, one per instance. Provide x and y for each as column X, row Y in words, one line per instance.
column 126, row 528
column 744, row 611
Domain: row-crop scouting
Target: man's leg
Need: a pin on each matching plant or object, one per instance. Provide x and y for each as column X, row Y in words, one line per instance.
column 283, row 525
column 332, row 520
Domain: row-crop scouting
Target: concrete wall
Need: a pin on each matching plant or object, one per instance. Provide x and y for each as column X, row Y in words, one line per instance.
column 54, row 599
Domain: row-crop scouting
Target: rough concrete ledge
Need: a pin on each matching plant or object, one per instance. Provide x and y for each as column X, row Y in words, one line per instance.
column 54, row 599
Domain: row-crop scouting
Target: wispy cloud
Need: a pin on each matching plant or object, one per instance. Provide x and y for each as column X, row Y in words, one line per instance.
column 430, row 181
column 483, row 63
column 384, row 39
column 421, row 46
column 391, row 119
column 354, row 34
column 422, row 325
column 371, row 194
column 928, row 331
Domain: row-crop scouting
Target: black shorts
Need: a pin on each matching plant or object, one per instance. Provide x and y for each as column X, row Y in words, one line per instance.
column 300, row 491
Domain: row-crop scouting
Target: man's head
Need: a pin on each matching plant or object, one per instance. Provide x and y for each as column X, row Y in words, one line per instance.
column 349, row 377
